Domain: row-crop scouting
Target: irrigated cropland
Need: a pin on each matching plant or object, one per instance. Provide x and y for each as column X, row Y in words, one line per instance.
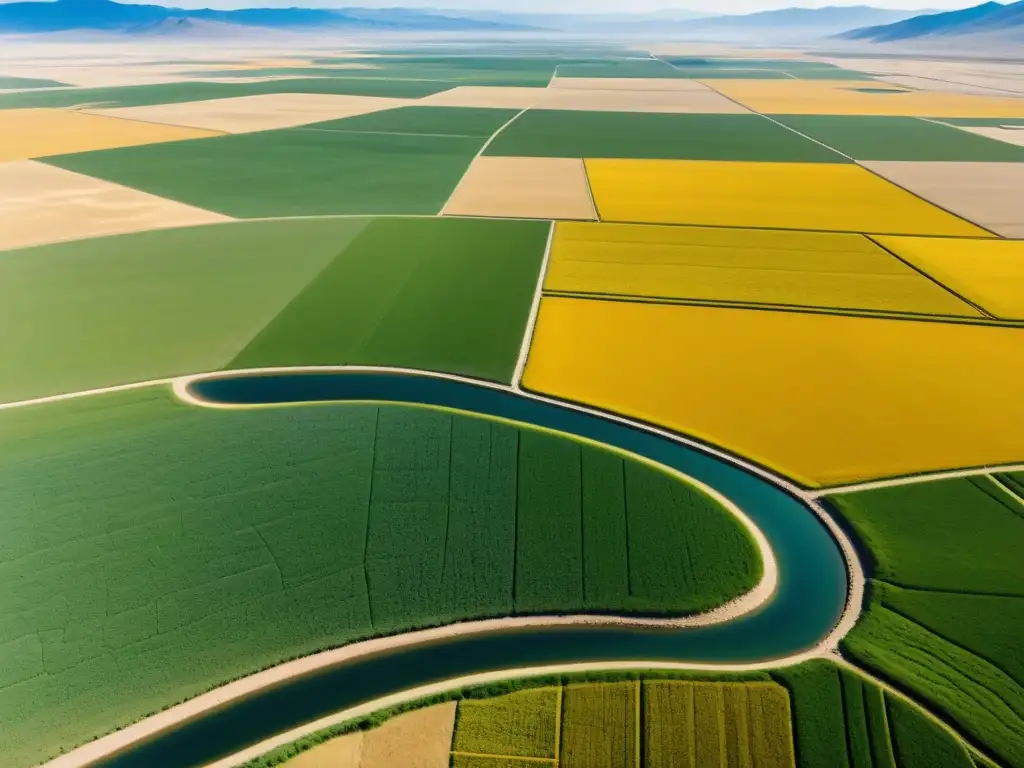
column 510, row 404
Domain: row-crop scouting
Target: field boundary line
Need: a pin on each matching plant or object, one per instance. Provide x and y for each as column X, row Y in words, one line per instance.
column 590, row 189
column 85, row 393
column 1007, row 489
column 559, row 696
column 480, row 153
column 933, row 279
column 924, row 477
column 531, row 320
column 97, row 112
column 898, row 693
column 386, row 133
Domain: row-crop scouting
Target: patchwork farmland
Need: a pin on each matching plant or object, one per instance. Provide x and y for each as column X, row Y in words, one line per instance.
column 503, row 405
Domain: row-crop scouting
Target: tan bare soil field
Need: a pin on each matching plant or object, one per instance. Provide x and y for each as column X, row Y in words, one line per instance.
column 42, row 204
column 983, row 75
column 245, row 114
column 1009, row 135
column 495, row 97
column 342, row 752
column 720, row 49
column 627, row 84
column 524, row 187
column 420, row 739
column 28, row 133
column 675, row 101
column 988, row 194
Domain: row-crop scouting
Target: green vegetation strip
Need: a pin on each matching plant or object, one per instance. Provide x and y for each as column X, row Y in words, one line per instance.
column 114, row 310
column 946, row 607
column 140, row 538
column 557, row 133
column 27, row 83
column 440, row 294
column 901, row 138
column 173, row 93
column 404, row 161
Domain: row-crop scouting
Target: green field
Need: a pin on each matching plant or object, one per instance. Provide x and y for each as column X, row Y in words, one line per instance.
column 557, row 133
column 301, row 528
column 944, row 617
column 521, row 724
column 983, row 122
column 761, row 69
column 599, row 725
column 174, row 93
column 12, row 83
column 842, row 721
column 459, row 122
column 443, row 294
column 901, row 138
column 327, row 168
column 138, row 307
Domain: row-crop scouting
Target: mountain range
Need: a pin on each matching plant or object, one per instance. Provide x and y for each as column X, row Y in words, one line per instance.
column 987, row 19
column 106, row 15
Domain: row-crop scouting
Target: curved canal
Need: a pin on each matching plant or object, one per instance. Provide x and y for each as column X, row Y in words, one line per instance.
column 811, row 594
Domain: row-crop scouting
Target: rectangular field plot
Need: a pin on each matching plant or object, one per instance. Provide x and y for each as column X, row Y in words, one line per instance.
column 524, row 187
column 458, row 122
column 244, row 114
column 436, row 293
column 726, row 376
column 32, row 133
column 521, row 724
column 293, row 171
column 990, row 273
column 171, row 93
column 696, row 100
column 811, row 196
column 900, row 138
column 851, row 97
column 111, row 310
column 985, row 193
column 809, row 269
column 599, row 725
column 562, row 133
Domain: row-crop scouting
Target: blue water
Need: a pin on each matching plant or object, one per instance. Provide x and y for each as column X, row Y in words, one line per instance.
column 811, row 594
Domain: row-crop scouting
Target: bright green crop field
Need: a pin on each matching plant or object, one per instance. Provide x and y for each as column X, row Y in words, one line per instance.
column 945, row 612
column 142, row 538
column 559, row 133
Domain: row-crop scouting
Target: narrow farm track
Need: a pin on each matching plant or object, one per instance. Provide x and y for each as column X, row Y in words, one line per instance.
column 818, row 598
column 926, row 477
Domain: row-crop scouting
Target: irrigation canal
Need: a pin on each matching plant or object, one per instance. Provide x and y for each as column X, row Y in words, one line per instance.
column 810, row 598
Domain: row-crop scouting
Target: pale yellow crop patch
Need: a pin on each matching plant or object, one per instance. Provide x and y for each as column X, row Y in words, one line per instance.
column 811, row 196
column 808, row 269
column 988, row 272
column 823, row 399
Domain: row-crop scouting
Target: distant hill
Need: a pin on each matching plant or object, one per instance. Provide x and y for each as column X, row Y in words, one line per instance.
column 1004, row 20
column 820, row 22
column 106, row 15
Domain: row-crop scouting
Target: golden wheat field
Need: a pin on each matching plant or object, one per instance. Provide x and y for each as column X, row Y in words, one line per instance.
column 988, row 272
column 816, row 269
column 824, row 399
column 813, row 196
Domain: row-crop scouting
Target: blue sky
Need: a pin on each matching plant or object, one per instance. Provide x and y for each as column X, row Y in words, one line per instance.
column 575, row 6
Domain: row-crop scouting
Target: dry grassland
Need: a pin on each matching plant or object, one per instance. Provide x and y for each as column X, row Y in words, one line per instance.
column 420, row 739
column 1009, row 135
column 28, row 133
column 841, row 97
column 524, row 187
column 760, row 266
column 989, row 194
column 988, row 272
column 824, row 399
column 493, row 97
column 678, row 101
column 43, row 204
column 245, row 114
column 812, row 196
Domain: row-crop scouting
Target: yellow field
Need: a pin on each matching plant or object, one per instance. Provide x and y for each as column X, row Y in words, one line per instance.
column 824, row 399
column 842, row 97
column 28, row 133
column 988, row 272
column 815, row 269
column 815, row 196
